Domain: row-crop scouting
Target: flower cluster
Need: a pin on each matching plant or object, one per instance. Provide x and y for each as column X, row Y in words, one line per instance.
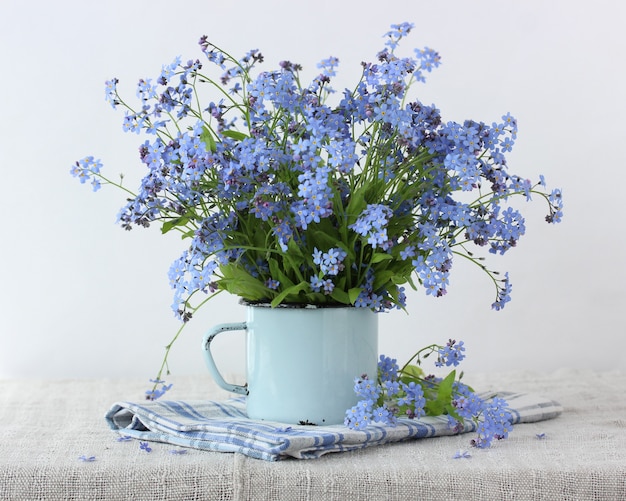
column 287, row 197
column 155, row 392
column 330, row 264
column 409, row 393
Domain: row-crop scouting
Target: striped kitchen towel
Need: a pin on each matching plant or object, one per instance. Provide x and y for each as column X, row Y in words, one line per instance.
column 224, row 427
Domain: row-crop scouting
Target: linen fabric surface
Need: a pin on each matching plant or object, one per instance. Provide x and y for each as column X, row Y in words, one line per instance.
column 45, row 426
column 224, row 427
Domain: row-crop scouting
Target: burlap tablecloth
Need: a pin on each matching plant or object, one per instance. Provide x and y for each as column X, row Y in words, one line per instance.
column 47, row 426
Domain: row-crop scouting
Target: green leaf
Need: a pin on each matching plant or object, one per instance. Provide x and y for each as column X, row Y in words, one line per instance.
column 239, row 282
column 409, row 280
column 173, row 223
column 278, row 274
column 325, row 240
column 444, row 391
column 339, row 295
column 434, row 408
column 356, row 204
column 207, row 138
column 235, row 134
column 293, row 290
column 294, row 251
column 451, row 410
column 354, row 293
column 412, row 373
column 382, row 278
column 381, row 256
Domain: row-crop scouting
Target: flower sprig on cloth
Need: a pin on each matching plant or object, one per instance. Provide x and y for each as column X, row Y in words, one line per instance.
column 155, row 392
column 408, row 392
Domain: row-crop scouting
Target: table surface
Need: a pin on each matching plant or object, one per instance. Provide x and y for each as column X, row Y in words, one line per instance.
column 48, row 425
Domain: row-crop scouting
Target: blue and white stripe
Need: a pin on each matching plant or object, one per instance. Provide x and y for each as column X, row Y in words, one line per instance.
column 224, row 427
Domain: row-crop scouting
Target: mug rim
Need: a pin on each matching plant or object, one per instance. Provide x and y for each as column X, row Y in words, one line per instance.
column 302, row 306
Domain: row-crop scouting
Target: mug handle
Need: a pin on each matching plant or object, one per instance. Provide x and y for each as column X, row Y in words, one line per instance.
column 208, row 357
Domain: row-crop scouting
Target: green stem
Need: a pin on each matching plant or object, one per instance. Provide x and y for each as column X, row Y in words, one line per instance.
column 117, row 185
column 431, row 347
column 164, row 364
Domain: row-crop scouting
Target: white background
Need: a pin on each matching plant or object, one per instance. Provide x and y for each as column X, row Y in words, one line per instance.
column 80, row 297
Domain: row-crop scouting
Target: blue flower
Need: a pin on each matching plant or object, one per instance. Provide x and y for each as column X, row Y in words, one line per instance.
column 495, row 422
column 358, row 417
column 316, row 283
column 504, row 293
column 372, row 224
column 272, row 284
column 407, row 253
column 366, row 388
column 391, row 388
column 429, row 58
column 111, row 92
column 397, row 32
column 329, row 262
column 155, row 392
column 387, row 368
column 317, row 256
column 382, row 415
column 95, row 183
column 328, row 286
column 145, row 446
column 451, row 354
column 328, row 66
column 87, row 168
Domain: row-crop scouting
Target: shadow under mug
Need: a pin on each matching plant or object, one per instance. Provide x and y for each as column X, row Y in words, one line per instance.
column 301, row 362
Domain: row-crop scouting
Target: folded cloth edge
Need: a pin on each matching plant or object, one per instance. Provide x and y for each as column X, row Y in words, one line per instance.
column 224, row 427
